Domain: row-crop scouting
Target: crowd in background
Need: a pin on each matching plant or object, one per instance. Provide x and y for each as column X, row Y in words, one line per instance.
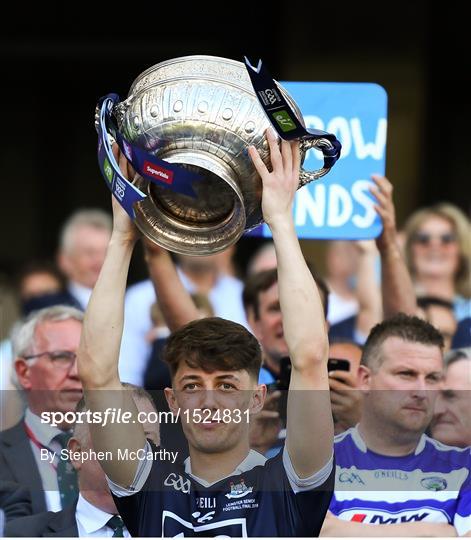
column 423, row 271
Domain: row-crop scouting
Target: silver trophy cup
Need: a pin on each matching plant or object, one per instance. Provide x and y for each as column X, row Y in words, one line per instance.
column 201, row 113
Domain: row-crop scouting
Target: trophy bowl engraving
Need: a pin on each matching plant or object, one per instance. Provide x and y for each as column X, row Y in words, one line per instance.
column 200, row 112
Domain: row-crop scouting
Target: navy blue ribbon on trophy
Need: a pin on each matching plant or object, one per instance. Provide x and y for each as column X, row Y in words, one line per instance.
column 122, row 189
column 282, row 116
column 147, row 165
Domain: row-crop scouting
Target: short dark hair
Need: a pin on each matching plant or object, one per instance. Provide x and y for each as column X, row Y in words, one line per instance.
column 213, row 344
column 256, row 284
column 406, row 327
column 40, row 267
column 262, row 281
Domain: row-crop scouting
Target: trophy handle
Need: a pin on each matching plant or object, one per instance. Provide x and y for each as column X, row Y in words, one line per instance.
column 120, row 109
column 306, row 144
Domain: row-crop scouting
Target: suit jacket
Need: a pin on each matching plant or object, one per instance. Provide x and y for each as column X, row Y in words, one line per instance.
column 45, row 524
column 344, row 329
column 17, row 464
column 15, row 501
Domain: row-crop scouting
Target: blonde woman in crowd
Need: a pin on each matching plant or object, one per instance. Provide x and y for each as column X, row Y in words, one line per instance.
column 438, row 254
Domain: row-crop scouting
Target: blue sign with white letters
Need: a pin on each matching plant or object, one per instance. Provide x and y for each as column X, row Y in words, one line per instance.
column 339, row 205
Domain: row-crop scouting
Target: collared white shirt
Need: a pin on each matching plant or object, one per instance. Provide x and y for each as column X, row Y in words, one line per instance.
column 80, row 293
column 45, row 434
column 91, row 521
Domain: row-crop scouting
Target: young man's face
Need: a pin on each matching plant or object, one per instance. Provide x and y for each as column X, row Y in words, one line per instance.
column 268, row 328
column 402, row 389
column 215, row 408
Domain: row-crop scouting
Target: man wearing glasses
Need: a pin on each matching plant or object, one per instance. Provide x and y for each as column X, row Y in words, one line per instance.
column 44, row 348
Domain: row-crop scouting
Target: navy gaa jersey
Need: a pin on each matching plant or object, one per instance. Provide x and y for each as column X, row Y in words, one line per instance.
column 432, row 484
column 257, row 501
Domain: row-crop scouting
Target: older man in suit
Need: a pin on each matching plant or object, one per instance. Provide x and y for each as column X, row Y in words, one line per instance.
column 94, row 514
column 45, row 367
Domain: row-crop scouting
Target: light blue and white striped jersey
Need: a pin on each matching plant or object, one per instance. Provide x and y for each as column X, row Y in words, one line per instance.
column 433, row 484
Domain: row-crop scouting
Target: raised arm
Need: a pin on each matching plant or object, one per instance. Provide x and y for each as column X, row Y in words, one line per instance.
column 174, row 300
column 370, row 310
column 99, row 351
column 309, row 439
column 396, row 284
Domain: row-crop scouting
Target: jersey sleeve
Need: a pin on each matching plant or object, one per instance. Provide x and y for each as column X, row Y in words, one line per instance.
column 299, row 484
column 140, row 478
column 302, row 502
column 145, row 492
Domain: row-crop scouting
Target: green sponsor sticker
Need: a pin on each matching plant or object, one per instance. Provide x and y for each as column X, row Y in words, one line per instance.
column 283, row 119
column 108, row 170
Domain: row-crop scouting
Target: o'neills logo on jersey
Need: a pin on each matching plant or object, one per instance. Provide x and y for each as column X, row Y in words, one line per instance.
column 239, row 490
column 157, row 172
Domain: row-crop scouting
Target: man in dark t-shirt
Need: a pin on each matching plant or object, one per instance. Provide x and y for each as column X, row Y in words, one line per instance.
column 223, row 488
column 261, row 498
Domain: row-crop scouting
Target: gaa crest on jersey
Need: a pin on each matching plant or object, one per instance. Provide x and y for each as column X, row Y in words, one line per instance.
column 239, row 490
column 178, row 483
column 350, row 477
column 434, row 483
